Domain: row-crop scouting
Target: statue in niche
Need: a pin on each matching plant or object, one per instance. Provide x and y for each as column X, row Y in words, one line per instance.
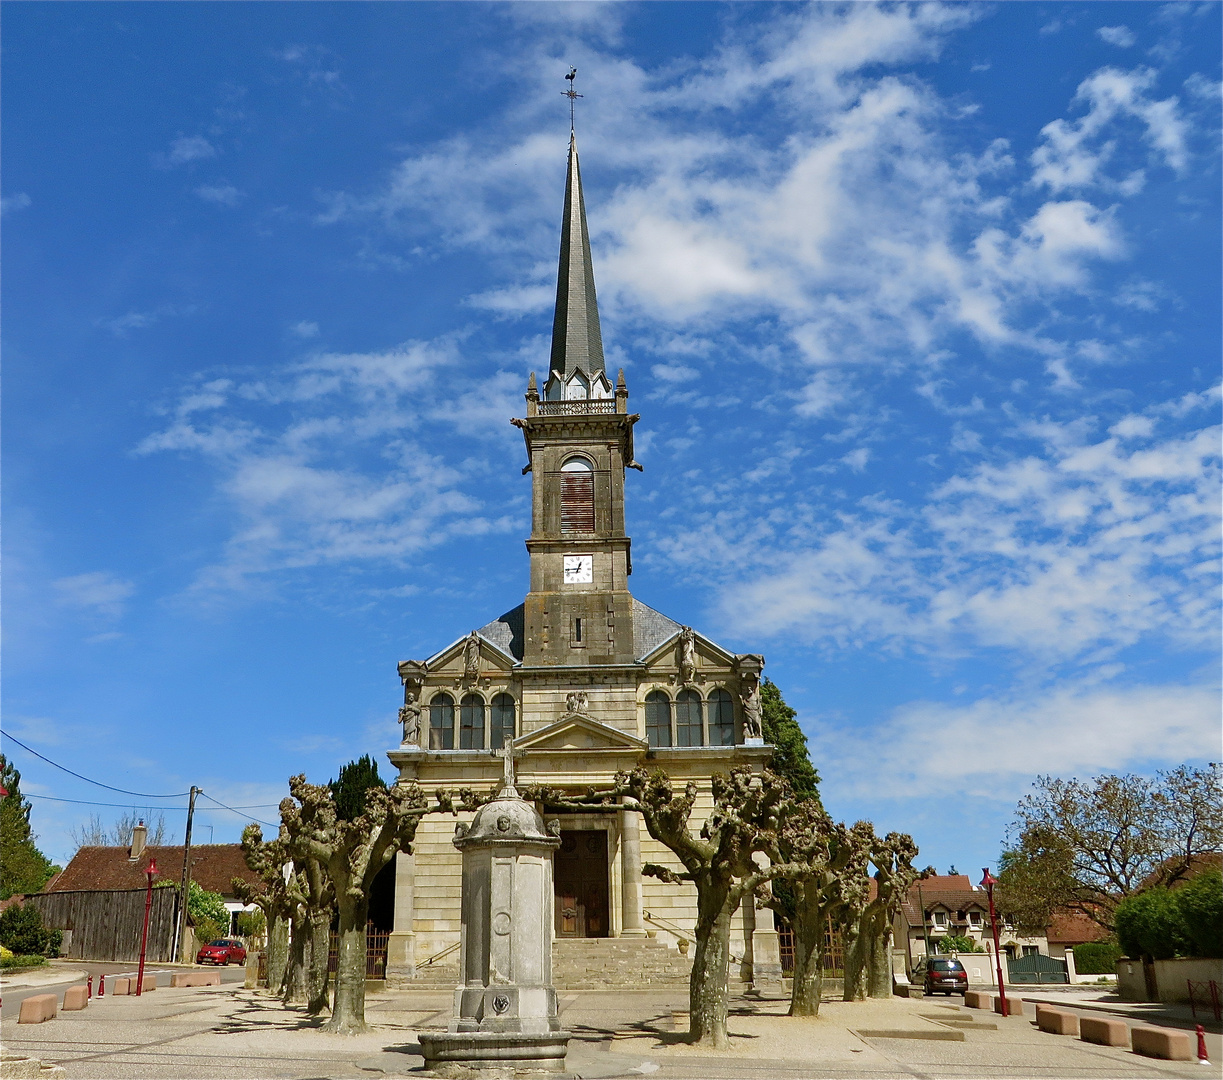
column 471, row 656
column 577, row 701
column 409, row 717
column 687, row 655
column 750, row 696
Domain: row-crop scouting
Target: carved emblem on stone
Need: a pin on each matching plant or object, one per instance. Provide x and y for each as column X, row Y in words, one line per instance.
column 501, row 1003
column 554, row 827
column 687, row 654
column 461, row 829
column 501, row 923
column 577, row 701
column 504, row 823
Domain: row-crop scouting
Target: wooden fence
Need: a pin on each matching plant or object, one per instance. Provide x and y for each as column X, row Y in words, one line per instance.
column 106, row 923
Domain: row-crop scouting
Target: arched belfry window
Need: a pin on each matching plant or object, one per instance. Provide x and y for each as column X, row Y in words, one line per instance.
column 471, row 723
column 721, row 719
column 577, row 496
column 657, row 718
column 688, row 726
column 501, row 721
column 441, row 722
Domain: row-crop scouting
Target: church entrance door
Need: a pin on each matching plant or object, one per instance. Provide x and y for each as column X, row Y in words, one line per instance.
column 580, row 874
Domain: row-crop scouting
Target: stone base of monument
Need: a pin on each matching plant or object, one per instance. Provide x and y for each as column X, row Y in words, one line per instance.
column 458, row 1052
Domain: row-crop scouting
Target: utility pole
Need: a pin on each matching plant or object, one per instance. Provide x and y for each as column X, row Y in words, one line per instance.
column 925, row 932
column 180, row 928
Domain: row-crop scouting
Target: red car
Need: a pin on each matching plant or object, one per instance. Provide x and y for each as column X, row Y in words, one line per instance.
column 222, row 951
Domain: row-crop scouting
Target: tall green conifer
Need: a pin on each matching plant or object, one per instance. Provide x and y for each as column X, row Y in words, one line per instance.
column 23, row 868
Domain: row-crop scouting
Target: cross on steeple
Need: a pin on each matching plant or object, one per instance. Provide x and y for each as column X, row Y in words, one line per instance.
column 507, row 755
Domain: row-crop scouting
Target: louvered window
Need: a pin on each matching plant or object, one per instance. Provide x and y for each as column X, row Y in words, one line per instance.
column 577, row 496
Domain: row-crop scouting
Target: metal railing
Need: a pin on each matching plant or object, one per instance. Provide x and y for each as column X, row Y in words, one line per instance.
column 1205, row 993
column 683, row 935
column 438, row 955
column 834, row 952
column 577, row 408
column 375, row 952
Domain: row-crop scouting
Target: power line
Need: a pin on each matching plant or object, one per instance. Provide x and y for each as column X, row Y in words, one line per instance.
column 235, row 810
column 88, row 802
column 98, row 783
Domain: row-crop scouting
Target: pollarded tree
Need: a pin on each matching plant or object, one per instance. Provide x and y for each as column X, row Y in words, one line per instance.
column 352, row 852
column 868, row 928
column 822, row 855
column 268, row 858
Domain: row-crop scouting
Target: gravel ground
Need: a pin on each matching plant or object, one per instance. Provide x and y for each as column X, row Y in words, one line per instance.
column 230, row 1032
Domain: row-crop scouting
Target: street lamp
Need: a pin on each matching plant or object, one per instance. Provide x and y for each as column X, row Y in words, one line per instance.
column 144, row 937
column 989, row 881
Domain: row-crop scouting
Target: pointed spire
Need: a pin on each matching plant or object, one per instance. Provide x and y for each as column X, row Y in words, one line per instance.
column 577, row 343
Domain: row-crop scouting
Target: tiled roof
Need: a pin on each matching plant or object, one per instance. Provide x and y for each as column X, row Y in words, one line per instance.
column 1072, row 928
column 506, row 632
column 212, row 865
column 951, row 891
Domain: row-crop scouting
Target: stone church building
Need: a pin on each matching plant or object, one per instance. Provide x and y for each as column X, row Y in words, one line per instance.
column 582, row 678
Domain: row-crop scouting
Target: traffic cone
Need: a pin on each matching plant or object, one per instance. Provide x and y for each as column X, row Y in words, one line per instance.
column 1202, row 1058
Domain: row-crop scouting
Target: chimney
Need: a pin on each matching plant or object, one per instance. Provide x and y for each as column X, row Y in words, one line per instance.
column 139, row 835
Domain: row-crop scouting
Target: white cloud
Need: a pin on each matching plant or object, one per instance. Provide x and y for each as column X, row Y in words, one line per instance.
column 1001, row 742
column 100, row 593
column 304, row 329
column 221, row 194
column 185, row 149
column 1121, row 36
column 12, row 203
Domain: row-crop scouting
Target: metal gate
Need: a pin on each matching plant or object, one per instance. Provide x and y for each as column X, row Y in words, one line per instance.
column 1036, row 968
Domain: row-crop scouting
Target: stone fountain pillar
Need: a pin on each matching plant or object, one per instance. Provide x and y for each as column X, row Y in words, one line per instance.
column 505, row 1014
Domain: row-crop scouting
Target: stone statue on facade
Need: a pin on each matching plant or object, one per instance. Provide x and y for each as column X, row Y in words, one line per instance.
column 577, row 701
column 409, row 717
column 687, row 655
column 749, row 694
column 471, row 657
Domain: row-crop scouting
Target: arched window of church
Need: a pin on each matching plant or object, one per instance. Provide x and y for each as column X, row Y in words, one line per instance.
column 441, row 723
column 721, row 719
column 688, row 726
column 658, row 718
column 577, row 496
column 501, row 721
column 471, row 723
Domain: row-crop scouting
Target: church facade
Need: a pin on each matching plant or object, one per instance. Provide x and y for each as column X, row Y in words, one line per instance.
column 580, row 680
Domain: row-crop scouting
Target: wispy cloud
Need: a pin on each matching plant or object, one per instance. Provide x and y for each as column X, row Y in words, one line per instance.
column 221, row 194
column 184, row 150
column 1121, row 36
column 11, row 203
column 99, row 593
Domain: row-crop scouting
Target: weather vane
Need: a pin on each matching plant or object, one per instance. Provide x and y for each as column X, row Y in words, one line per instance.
column 571, row 93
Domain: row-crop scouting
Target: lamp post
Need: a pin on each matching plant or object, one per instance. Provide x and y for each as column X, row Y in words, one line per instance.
column 144, row 936
column 989, row 881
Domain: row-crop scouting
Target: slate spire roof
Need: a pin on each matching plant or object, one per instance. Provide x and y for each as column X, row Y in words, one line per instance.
column 577, row 343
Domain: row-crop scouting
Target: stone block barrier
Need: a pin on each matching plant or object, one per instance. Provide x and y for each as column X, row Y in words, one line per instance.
column 149, row 984
column 1158, row 1042
column 1099, row 1029
column 979, row 999
column 119, row 987
column 76, row 997
column 1057, row 1021
column 38, row 1008
column 1014, row 1007
column 195, row 978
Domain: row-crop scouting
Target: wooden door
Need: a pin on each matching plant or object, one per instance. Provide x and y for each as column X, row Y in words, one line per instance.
column 580, row 874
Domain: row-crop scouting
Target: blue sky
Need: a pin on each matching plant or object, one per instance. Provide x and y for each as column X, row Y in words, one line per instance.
column 919, row 306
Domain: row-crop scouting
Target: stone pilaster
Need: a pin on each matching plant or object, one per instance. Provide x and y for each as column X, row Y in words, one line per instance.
column 631, row 924
column 401, row 945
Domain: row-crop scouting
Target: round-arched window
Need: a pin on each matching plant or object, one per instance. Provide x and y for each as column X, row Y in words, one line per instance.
column 721, row 719
column 688, row 726
column 441, row 722
column 471, row 723
column 657, row 718
column 501, row 721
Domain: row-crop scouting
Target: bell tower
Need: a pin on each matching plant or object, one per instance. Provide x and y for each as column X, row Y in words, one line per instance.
column 579, row 438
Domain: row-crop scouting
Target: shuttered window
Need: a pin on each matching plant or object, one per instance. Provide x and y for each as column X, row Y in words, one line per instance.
column 577, row 497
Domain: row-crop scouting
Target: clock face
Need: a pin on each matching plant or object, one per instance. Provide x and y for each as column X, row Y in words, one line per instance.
column 579, row 569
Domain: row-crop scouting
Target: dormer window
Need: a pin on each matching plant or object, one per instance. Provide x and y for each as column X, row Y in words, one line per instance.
column 577, row 388
column 577, row 496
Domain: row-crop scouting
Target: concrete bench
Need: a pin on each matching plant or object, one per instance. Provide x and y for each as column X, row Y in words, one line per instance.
column 76, row 997
column 979, row 999
column 1014, row 1007
column 195, row 978
column 1057, row 1021
column 1158, row 1042
column 1099, row 1029
column 37, row 1008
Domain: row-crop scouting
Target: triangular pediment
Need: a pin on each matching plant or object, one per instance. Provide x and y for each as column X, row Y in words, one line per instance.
column 705, row 647
column 453, row 657
column 577, row 731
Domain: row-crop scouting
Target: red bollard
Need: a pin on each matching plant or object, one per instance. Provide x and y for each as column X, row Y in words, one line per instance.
column 102, row 985
column 1202, row 1058
column 89, row 983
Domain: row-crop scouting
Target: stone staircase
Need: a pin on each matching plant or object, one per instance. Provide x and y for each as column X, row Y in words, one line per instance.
column 588, row 964
column 598, row 963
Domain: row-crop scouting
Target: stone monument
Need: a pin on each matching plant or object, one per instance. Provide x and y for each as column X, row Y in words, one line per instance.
column 505, row 1014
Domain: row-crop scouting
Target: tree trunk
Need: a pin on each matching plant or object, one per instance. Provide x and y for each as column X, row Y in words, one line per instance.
column 348, row 1013
column 808, row 962
column 707, row 992
column 316, row 968
column 856, row 960
column 278, row 953
column 293, row 987
column 879, row 975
